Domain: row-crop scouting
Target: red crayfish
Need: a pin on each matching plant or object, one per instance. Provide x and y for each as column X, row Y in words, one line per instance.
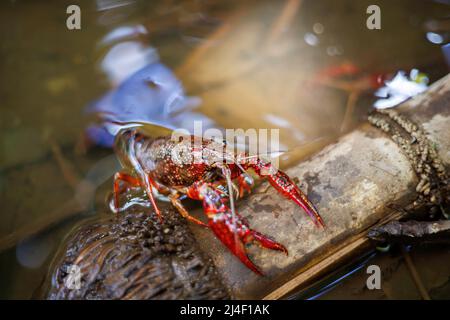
column 202, row 171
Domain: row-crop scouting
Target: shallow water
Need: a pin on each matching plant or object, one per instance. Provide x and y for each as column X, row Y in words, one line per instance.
column 247, row 71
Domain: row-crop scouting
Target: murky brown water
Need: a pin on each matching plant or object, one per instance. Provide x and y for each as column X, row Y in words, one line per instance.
column 252, row 67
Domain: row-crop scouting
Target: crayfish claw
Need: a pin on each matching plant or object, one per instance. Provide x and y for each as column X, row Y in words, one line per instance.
column 233, row 238
column 285, row 186
column 240, row 251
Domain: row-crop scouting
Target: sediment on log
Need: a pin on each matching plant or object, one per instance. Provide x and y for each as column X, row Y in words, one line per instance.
column 353, row 183
column 133, row 256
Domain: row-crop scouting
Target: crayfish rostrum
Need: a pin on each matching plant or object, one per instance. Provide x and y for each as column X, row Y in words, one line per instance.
column 202, row 169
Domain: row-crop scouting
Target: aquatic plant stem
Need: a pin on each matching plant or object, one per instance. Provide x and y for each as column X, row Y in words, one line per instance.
column 414, row 274
column 285, row 19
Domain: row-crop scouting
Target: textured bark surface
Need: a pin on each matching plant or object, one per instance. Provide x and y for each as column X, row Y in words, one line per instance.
column 351, row 182
column 413, row 232
column 134, row 256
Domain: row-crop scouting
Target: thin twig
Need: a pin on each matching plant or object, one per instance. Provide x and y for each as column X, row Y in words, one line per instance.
column 415, row 275
column 349, row 109
column 70, row 209
column 199, row 53
column 67, row 169
column 284, row 20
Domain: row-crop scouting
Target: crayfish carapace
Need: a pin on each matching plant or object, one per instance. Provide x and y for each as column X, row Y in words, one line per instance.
column 202, row 171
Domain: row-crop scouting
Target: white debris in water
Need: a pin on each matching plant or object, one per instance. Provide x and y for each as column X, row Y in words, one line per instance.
column 311, row 39
column 435, row 38
column 103, row 5
column 125, row 58
column 400, row 89
column 122, row 33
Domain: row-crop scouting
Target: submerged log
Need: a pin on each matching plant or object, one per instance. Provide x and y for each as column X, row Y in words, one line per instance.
column 133, row 256
column 352, row 182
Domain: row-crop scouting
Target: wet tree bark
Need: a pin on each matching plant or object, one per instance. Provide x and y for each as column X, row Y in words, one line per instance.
column 133, row 255
column 413, row 232
column 352, row 182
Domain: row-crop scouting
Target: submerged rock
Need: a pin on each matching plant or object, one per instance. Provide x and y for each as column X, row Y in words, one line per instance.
column 134, row 256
